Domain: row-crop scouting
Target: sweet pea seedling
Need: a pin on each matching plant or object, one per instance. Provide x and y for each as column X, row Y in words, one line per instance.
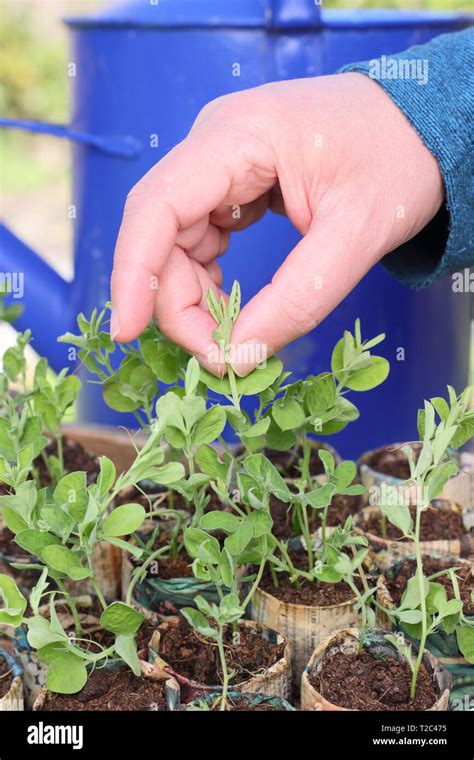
column 424, row 607
column 61, row 528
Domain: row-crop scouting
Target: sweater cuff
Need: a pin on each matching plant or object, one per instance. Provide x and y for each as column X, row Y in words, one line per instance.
column 433, row 85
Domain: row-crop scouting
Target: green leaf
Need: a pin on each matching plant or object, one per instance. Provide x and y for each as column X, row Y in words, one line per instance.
column 67, row 674
column 193, row 538
column 126, row 648
column 65, row 561
column 35, row 541
column 237, row 541
column 226, row 567
column 124, row 520
column 13, row 602
column 72, row 492
column 58, row 521
column 399, row 515
column 258, row 429
column 121, row 619
column 40, row 633
column 320, row 394
column 209, row 463
column 345, row 473
column 410, row 616
column 114, row 398
column 197, row 620
column 216, row 520
column 13, row 520
column 366, row 379
column 278, row 439
column 169, row 473
column 465, row 639
column 107, row 475
column 191, row 378
column 261, row 523
column 210, row 426
column 288, row 413
column 256, row 382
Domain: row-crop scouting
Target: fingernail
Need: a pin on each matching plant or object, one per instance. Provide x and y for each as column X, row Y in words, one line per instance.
column 114, row 324
column 245, row 356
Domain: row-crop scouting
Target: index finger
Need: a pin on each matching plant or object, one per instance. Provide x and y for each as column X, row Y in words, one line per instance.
column 185, row 186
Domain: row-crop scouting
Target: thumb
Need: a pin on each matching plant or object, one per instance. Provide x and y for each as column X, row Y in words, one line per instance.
column 316, row 276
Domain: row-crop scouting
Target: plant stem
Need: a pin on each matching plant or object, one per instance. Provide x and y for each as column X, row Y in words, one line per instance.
column 307, row 536
column 233, row 387
column 225, row 672
column 59, row 444
column 72, row 606
column 363, row 609
column 305, row 474
column 421, row 586
column 134, row 580
column 257, row 580
column 99, row 593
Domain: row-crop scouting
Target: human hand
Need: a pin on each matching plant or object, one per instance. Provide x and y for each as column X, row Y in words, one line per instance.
column 334, row 153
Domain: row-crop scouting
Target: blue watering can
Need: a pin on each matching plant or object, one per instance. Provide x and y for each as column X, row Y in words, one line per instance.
column 140, row 73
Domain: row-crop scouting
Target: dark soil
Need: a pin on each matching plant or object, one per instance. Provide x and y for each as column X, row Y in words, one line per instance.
column 367, row 682
column 75, row 457
column 6, row 677
column 436, row 524
column 392, row 461
column 339, row 510
column 197, row 658
column 109, row 690
column 175, row 568
column 287, row 462
column 313, row 594
column 9, row 548
column 396, row 585
column 169, row 568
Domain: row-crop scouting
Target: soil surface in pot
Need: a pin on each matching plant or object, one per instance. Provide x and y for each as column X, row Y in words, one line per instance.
column 436, row 525
column 311, row 594
column 9, row 548
column 339, row 510
column 197, row 658
column 396, row 585
column 180, row 567
column 6, row 678
column 75, row 458
column 392, row 461
column 111, row 690
column 287, row 462
column 367, row 682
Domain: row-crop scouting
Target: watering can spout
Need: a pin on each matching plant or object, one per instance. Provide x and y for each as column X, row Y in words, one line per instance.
column 43, row 293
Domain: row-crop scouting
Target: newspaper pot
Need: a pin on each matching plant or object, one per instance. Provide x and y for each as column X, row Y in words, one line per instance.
column 458, row 488
column 148, row 671
column 304, row 626
column 275, row 681
column 442, row 645
column 386, row 551
column 252, row 702
column 34, row 671
column 346, row 641
column 12, row 700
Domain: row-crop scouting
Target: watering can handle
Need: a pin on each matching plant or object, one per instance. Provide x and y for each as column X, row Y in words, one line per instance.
column 121, row 146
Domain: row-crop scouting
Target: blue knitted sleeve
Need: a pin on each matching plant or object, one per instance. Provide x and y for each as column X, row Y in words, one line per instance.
column 433, row 85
